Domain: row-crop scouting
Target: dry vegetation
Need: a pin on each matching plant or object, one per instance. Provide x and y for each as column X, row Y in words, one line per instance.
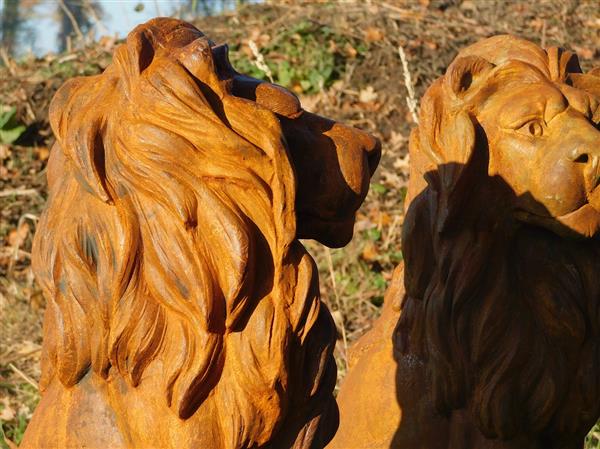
column 344, row 61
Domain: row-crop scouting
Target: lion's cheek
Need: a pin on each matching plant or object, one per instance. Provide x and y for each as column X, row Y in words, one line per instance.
column 512, row 160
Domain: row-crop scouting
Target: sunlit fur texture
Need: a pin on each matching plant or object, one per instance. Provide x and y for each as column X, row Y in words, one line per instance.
column 169, row 239
column 506, row 315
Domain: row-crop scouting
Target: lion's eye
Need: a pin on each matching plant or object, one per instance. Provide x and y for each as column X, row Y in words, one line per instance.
column 533, row 128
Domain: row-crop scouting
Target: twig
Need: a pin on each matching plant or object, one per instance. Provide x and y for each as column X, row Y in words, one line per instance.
column 338, row 303
column 410, row 100
column 7, row 61
column 260, row 60
column 25, row 377
column 66, row 58
column 392, row 232
column 17, row 253
column 72, row 20
column 402, row 13
column 10, row 251
column 543, row 40
column 18, row 192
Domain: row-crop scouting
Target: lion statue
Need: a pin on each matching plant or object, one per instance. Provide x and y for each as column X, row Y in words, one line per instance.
column 490, row 334
column 182, row 311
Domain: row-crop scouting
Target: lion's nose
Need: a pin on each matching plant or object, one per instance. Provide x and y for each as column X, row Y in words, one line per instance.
column 590, row 160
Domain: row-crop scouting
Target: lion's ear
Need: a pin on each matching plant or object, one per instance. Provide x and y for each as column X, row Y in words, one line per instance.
column 466, row 73
column 140, row 46
column 136, row 54
column 446, row 129
column 133, row 57
column 561, row 63
column 77, row 121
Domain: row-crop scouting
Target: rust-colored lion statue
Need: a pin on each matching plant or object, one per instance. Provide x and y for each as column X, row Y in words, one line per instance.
column 182, row 311
column 490, row 337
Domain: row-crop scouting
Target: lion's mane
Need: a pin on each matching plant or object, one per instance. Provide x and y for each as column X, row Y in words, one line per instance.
column 169, row 237
column 506, row 315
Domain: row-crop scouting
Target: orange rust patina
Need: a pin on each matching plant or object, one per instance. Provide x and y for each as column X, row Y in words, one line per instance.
column 490, row 337
column 182, row 310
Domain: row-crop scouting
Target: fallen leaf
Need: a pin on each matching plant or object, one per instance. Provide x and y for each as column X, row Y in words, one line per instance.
column 385, row 219
column 4, row 152
column 107, row 42
column 43, row 153
column 467, row 5
column 338, row 319
column 373, row 34
column 36, row 301
column 350, row 50
column 431, row 45
column 370, row 106
column 8, row 413
column 369, row 252
column 17, row 237
column 367, row 94
column 584, row 52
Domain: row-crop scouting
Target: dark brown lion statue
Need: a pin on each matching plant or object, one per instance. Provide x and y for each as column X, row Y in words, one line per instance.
column 182, row 311
column 490, row 337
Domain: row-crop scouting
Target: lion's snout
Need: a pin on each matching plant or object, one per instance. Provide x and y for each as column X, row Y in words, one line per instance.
column 330, row 191
column 584, row 158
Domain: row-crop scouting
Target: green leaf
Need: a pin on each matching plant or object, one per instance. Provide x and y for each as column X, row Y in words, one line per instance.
column 403, row 192
column 6, row 115
column 305, row 85
column 379, row 282
column 373, row 234
column 378, row 188
column 10, row 135
column 284, row 74
column 396, row 257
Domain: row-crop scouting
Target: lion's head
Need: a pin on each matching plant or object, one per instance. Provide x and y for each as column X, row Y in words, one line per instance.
column 178, row 189
column 501, row 240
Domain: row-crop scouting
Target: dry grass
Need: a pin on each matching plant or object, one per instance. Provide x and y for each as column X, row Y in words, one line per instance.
column 371, row 92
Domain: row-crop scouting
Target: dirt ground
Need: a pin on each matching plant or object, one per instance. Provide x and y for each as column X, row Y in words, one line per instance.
column 378, row 54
